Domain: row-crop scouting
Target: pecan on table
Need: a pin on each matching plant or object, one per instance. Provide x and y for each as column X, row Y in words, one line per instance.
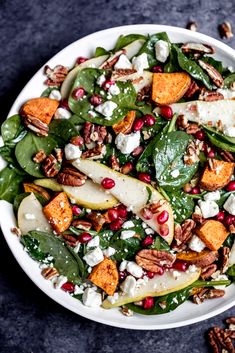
column 81, row 224
column 35, row 125
column 207, row 293
column 225, row 30
column 208, row 271
column 55, row 76
column 182, row 234
column 230, row 320
column 71, row 176
column 39, row 156
column 50, row 166
column 153, row 260
column 49, row 272
column 192, row 26
column 219, row 339
column 224, row 259
column 212, row 73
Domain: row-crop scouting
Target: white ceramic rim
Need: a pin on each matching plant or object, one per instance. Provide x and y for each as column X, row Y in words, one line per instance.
column 90, row 313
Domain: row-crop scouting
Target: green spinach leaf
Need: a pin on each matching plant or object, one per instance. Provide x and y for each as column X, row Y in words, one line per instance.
column 231, row 273
column 101, row 51
column 125, row 40
column 218, row 139
column 10, row 183
column 12, row 128
column 229, row 80
column 182, row 205
column 63, row 130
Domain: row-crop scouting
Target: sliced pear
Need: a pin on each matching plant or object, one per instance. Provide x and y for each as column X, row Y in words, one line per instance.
column 232, row 256
column 138, row 80
column 133, row 48
column 156, row 287
column 30, row 215
column 132, row 192
column 89, row 195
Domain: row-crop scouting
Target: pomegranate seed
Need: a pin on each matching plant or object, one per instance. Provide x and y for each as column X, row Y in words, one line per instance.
column 230, row 186
column 164, row 230
column 84, row 237
column 81, row 60
column 163, row 217
column 211, row 154
column 166, row 112
column 108, row 183
column 160, row 271
column 76, row 210
column 137, row 151
column 195, row 190
column 145, row 177
column 200, row 135
column 64, row 104
column 150, row 274
column 116, row 225
column 180, row 266
column 112, row 214
column 229, row 219
column 96, row 100
column 127, row 168
column 149, row 120
column 68, row 287
column 148, row 303
column 122, row 275
column 77, row 141
column 157, row 68
column 146, row 213
column 106, row 85
column 78, row 93
column 204, row 147
column 147, row 241
column 220, row 216
column 138, row 124
column 122, row 211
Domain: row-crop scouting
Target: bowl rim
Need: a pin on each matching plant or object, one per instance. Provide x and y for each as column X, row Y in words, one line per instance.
column 137, row 28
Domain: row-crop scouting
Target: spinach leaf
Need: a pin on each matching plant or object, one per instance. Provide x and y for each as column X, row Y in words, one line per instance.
column 182, row 205
column 10, row 183
column 62, row 129
column 218, row 139
column 100, row 51
column 215, row 63
column 47, row 91
column 125, row 100
column 160, row 244
column 229, row 80
column 171, row 64
column 28, row 147
column 11, row 128
column 125, row 40
column 231, row 273
column 7, row 152
column 168, row 156
column 192, row 68
column 41, row 245
column 76, row 120
column 229, row 241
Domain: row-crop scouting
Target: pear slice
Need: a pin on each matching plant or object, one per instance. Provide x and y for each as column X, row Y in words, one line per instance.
column 139, row 80
column 132, row 192
column 30, row 215
column 89, row 195
column 231, row 261
column 156, row 287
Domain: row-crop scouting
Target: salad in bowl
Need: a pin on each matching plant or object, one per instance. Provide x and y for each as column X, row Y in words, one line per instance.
column 121, row 175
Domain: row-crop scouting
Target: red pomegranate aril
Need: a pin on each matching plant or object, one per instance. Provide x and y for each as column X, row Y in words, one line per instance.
column 81, row 60
column 77, row 141
column 229, row 219
column 122, row 275
column 150, row 274
column 84, row 237
column 149, row 120
column 164, row 230
column 148, row 303
column 122, row 211
column 180, row 266
column 112, row 214
column 160, row 271
column 137, row 151
column 195, row 190
column 76, row 210
column 108, row 183
column 96, row 100
column 116, row 225
column 220, row 216
column 211, row 154
column 107, row 83
column 157, row 68
column 230, row 186
column 145, row 177
column 147, row 213
column 200, row 135
column 166, row 112
column 78, row 93
column 163, row 217
column 68, row 287
column 64, row 104
column 147, row 241
column 138, row 125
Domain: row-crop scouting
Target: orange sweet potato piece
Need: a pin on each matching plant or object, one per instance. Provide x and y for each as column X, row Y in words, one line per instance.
column 59, row 212
column 125, row 125
column 216, row 175
column 202, row 259
column 31, row 187
column 42, row 108
column 105, row 276
column 212, row 233
column 168, row 88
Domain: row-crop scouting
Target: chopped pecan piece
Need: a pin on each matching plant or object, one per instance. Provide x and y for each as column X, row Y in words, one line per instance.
column 126, row 168
column 153, row 260
column 192, row 128
column 70, row 239
column 36, row 125
column 126, row 311
column 94, row 153
column 114, row 162
column 97, row 219
column 230, row 320
column 16, row 231
column 224, row 259
column 210, row 96
column 183, row 233
column 144, row 94
column 156, row 206
column 192, row 152
column 225, row 30
column 50, row 166
column 212, row 73
column 121, row 74
column 94, row 133
column 81, row 224
column 206, row 293
column 55, row 76
column 227, row 156
column 182, row 122
column 59, row 154
column 39, row 156
column 49, row 272
column 197, row 48
column 208, row 271
column 192, row 90
column 71, row 176
column 112, row 60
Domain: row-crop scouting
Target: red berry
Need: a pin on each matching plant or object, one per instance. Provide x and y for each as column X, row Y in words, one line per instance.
column 160, row 271
column 230, row 186
column 229, row 219
column 116, row 225
column 137, row 151
column 149, row 120
column 163, row 217
column 77, row 141
column 96, row 100
column 81, row 60
column 122, row 275
column 195, row 190
column 220, row 216
column 76, row 210
column 68, row 287
column 146, row 213
column 108, row 183
column 107, row 83
column 210, row 152
column 200, row 135
column 166, row 112
column 157, row 68
column 84, row 237
column 78, row 93
column 64, row 104
column 147, row 241
column 150, row 274
column 148, row 303
column 180, row 266
column 164, row 230
column 145, row 177
column 112, row 214
column 138, row 124
column 122, row 211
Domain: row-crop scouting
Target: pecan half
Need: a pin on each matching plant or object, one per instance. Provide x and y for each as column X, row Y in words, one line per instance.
column 94, row 153
column 97, row 219
column 212, row 73
column 224, row 259
column 39, row 156
column 206, row 293
column 49, row 272
column 94, row 133
column 50, row 166
column 183, row 233
column 114, row 162
column 112, row 60
column 55, row 76
column 192, row 90
column 144, row 94
column 121, row 74
column 213, row 342
column 192, row 152
column 197, row 48
column 81, row 224
column 225, row 30
column 227, row 156
column 192, row 128
column 210, row 96
column 182, row 122
column 230, row 320
column 71, row 176
column 222, row 340
column 208, row 271
column 36, row 125
column 70, row 239
column 16, row 231
column 153, row 260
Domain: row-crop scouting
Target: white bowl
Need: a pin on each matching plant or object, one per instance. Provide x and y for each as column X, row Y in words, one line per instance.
column 187, row 313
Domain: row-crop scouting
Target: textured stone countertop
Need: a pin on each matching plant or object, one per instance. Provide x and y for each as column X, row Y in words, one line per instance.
column 30, row 33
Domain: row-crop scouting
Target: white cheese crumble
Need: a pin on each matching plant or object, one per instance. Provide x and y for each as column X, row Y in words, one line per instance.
column 229, row 131
column 109, row 251
column 78, row 289
column 127, row 143
column 29, row 216
column 128, row 286
column 112, row 299
column 217, row 276
column 126, row 234
column 114, row 90
column 134, row 269
column 208, row 208
column 162, row 50
column 62, row 113
column 123, row 63
column 122, row 266
column 94, row 242
column 140, row 62
column 175, row 173
column 100, row 80
column 128, row 224
column 196, row 244
column 91, row 298
column 72, row 152
column 94, row 257
column 106, row 108
column 149, row 231
column 229, row 204
column 212, row 196
column 227, row 93
column 55, row 94
column 192, row 269
column 59, row 281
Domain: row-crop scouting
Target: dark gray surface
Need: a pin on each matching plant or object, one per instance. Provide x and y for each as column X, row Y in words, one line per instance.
column 30, row 33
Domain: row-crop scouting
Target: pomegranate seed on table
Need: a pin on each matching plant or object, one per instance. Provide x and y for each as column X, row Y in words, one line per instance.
column 163, row 217
column 148, row 303
column 220, row 216
column 84, row 237
column 137, row 151
column 149, row 120
column 81, row 60
column 112, row 214
column 166, row 112
column 96, row 100
column 76, row 210
column 157, row 68
column 68, row 287
column 138, row 125
column 116, row 225
column 180, row 266
column 108, row 183
column 229, row 219
column 147, row 214
column 77, row 141
column 230, row 186
column 145, row 177
column 64, row 104
column 107, row 83
column 164, row 230
column 122, row 211
column 195, row 190
column 150, row 274
column 200, row 135
column 78, row 93
column 147, row 241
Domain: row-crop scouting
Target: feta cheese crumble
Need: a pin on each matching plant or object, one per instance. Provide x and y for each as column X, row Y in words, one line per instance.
column 217, row 276
column 114, row 90
column 62, row 113
column 208, row 208
column 134, row 269
column 106, row 108
column 128, row 286
column 126, row 234
column 212, row 196
column 196, row 244
column 229, row 131
column 123, row 63
column 94, row 242
column 128, row 224
column 162, row 50
column 94, row 257
column 175, row 173
column 112, row 299
column 140, row 62
column 91, row 298
column 122, row 266
column 55, row 94
column 127, row 143
column 229, row 205
column 72, row 152
column 100, row 80
column 109, row 251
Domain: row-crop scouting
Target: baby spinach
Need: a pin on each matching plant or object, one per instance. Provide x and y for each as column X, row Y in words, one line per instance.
column 220, row 140
column 28, row 147
column 11, row 128
column 229, row 80
column 40, row 245
column 160, row 244
column 100, row 51
column 182, row 205
column 231, row 273
column 215, row 63
column 47, row 91
column 125, row 40
column 229, row 241
column 62, row 129
column 10, row 183
column 168, row 156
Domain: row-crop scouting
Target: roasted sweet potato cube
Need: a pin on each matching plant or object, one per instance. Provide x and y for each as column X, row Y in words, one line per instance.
column 168, row 88
column 31, row 187
column 105, row 276
column 216, row 175
column 125, row 125
column 59, row 212
column 212, row 233
column 202, row 259
column 42, row 108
